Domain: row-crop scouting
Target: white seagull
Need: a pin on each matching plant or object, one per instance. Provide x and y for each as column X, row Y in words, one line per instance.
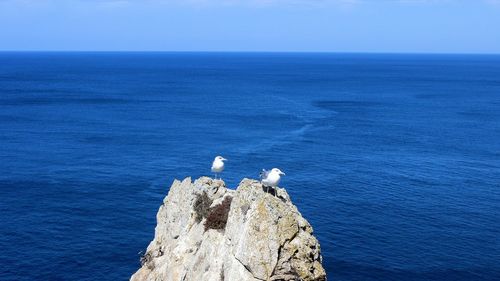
column 218, row 165
column 271, row 178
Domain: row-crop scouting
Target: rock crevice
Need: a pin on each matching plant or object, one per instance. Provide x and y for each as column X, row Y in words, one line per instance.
column 208, row 232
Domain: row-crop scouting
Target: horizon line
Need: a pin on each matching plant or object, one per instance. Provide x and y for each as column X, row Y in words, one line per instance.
column 252, row 52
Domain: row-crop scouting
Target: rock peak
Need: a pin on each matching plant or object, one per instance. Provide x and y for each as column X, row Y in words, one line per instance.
column 208, row 232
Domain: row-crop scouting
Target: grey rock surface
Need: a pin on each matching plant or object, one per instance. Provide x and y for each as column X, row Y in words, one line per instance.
column 208, row 232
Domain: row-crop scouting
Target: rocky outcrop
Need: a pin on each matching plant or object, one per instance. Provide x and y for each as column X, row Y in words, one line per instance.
column 208, row 232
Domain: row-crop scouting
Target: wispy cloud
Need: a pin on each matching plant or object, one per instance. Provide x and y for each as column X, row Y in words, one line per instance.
column 493, row 2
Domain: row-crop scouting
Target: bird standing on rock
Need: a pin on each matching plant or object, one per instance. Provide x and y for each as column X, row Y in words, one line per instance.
column 271, row 178
column 218, row 165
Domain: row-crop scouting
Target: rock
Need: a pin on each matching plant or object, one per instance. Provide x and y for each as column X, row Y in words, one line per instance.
column 208, row 232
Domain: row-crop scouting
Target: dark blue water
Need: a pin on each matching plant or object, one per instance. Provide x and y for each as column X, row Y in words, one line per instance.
column 394, row 159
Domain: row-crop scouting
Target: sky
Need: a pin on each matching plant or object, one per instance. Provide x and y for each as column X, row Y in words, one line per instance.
column 388, row 26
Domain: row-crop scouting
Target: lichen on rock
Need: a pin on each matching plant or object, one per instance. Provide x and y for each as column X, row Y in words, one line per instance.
column 208, row 232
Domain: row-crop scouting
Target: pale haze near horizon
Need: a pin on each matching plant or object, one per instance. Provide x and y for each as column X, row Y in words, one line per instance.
column 408, row 26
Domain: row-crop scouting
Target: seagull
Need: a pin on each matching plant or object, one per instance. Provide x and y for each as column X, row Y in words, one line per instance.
column 218, row 165
column 271, row 178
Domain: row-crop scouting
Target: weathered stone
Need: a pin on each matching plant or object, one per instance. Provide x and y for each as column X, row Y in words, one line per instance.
column 265, row 237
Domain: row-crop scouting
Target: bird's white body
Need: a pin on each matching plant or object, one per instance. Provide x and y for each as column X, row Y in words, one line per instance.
column 218, row 165
column 271, row 178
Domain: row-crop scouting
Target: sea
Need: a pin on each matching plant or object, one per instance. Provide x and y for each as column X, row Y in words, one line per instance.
column 394, row 159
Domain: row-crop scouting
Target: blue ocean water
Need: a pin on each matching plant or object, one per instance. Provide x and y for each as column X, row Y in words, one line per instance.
column 393, row 159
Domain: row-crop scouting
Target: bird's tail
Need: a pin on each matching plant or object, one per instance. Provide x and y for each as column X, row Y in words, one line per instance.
column 263, row 174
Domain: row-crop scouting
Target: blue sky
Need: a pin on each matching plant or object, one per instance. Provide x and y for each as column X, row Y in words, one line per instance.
column 423, row 26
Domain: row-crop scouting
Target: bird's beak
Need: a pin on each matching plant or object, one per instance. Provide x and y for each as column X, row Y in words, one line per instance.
column 224, row 159
column 283, row 173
